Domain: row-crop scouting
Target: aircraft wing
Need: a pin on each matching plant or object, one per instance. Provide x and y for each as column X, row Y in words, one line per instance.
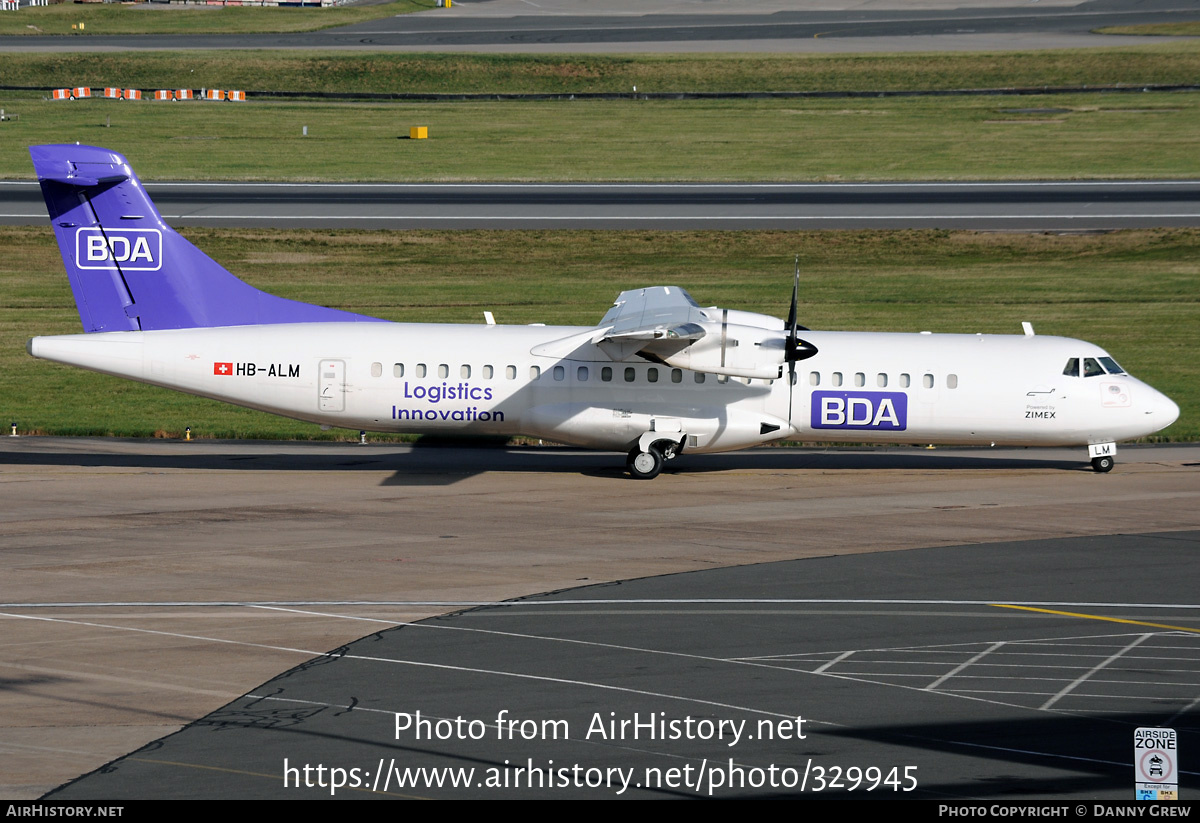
column 652, row 314
column 664, row 324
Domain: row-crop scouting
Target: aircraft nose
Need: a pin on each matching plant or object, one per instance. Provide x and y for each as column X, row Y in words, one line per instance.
column 1163, row 411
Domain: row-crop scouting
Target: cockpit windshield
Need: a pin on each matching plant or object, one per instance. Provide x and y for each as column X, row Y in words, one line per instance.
column 1092, row 366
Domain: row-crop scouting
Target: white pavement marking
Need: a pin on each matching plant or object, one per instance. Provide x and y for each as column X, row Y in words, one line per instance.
column 932, row 686
column 444, row 666
column 649, row 601
column 838, row 659
column 1083, row 678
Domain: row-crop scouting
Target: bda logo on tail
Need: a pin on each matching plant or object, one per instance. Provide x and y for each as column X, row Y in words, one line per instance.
column 131, row 249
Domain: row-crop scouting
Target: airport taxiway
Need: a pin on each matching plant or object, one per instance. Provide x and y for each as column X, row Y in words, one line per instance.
column 149, row 584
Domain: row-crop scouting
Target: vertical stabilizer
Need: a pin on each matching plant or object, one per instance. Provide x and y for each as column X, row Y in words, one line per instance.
column 131, row 271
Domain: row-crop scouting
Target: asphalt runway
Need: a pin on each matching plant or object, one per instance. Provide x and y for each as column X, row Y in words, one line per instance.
column 1028, row 206
column 474, row 27
column 151, row 584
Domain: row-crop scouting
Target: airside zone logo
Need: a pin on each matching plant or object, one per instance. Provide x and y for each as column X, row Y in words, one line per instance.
column 132, row 249
column 867, row 410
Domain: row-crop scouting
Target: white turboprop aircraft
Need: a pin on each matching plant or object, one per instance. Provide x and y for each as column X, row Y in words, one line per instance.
column 658, row 376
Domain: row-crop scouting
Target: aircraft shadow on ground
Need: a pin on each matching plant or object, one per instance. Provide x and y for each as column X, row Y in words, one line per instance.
column 448, row 464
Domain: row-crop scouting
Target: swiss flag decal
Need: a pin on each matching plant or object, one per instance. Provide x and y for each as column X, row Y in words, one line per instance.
column 222, row 368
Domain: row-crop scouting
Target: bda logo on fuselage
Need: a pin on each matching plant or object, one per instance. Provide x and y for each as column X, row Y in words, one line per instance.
column 131, row 249
column 865, row 410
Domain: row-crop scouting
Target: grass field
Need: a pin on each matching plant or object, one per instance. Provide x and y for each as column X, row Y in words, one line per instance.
column 1083, row 136
column 118, row 18
column 390, row 72
column 898, row 138
column 1136, row 293
column 1187, row 29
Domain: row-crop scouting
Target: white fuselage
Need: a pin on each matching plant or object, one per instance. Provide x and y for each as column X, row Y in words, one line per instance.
column 556, row 383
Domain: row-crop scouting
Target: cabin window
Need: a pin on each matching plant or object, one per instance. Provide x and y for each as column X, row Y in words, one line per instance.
column 927, row 381
column 676, row 375
column 698, row 376
column 559, row 373
column 443, row 371
column 606, row 374
column 397, row 370
column 1072, row 368
column 510, row 372
column 881, row 380
column 860, row 379
column 376, row 369
column 814, row 378
column 836, row 378
column 464, row 371
column 535, row 372
column 630, row 374
column 652, row 375
column 488, row 372
column 1111, row 365
column 420, row 370
column 581, row 374
column 905, row 380
column 1091, row 367
column 952, row 381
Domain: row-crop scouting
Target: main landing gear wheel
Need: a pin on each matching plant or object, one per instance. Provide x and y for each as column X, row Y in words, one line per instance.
column 1102, row 464
column 644, row 465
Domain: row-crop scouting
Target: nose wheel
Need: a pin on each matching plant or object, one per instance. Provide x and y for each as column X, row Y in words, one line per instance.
column 1102, row 464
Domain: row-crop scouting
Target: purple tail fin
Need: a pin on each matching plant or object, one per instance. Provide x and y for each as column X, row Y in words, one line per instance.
column 131, row 271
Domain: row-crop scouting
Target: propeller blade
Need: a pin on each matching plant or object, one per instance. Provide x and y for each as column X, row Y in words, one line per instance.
column 790, row 349
column 791, row 322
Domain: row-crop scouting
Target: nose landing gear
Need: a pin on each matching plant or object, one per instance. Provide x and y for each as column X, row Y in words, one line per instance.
column 1102, row 464
column 1103, row 456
